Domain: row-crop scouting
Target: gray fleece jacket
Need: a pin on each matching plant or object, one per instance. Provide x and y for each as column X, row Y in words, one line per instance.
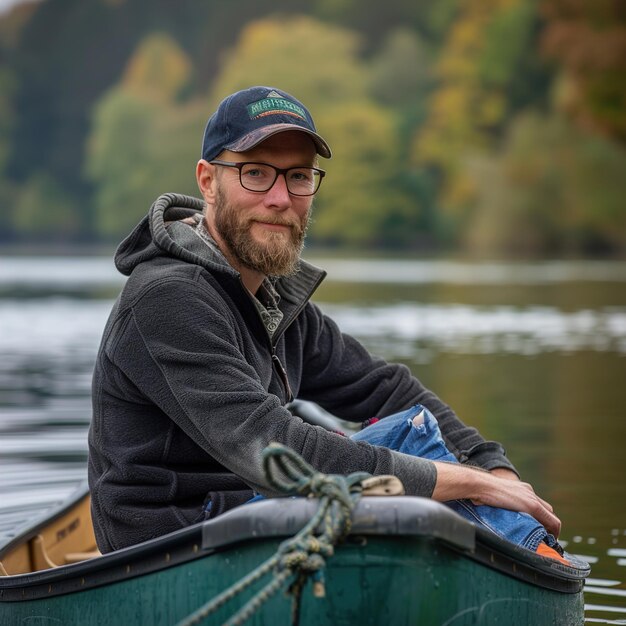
column 189, row 388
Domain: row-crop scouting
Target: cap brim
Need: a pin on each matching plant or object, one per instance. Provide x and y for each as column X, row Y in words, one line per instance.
column 255, row 137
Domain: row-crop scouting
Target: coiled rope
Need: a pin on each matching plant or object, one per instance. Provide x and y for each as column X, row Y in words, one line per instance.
column 305, row 553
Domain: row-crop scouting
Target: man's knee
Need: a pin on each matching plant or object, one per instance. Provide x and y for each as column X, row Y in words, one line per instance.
column 418, row 420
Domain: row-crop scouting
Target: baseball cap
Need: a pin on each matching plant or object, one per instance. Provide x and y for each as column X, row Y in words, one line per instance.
column 248, row 117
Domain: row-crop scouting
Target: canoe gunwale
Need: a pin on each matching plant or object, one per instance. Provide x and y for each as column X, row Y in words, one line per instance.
column 279, row 518
column 380, row 515
column 156, row 554
column 398, row 516
column 525, row 565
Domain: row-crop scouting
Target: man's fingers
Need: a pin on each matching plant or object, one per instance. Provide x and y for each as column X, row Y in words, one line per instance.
column 546, row 504
column 553, row 525
column 520, row 496
column 544, row 515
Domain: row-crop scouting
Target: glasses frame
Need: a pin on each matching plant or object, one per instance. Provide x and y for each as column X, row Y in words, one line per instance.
column 278, row 170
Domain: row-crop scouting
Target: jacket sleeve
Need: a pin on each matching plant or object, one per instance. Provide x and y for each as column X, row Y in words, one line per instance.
column 344, row 378
column 181, row 346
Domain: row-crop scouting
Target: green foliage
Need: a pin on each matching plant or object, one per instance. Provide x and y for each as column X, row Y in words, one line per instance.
column 144, row 142
column 118, row 160
column 159, row 68
column 441, row 16
column 401, row 73
column 553, row 188
column 44, row 210
column 508, row 38
column 429, row 18
column 316, row 62
column 352, row 207
column 7, row 87
column 139, row 149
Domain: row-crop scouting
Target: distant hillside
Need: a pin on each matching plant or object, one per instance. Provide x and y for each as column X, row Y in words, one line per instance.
column 498, row 126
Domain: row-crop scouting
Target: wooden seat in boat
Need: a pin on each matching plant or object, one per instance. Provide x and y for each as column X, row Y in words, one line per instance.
column 68, row 538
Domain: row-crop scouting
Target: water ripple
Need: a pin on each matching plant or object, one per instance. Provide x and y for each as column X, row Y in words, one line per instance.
column 472, row 329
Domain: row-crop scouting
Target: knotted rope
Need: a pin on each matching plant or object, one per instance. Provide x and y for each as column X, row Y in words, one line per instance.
column 304, row 554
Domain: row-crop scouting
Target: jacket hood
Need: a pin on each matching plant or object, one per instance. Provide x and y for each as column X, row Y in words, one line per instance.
column 164, row 233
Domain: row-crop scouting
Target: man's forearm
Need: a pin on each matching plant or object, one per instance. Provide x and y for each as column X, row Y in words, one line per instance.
column 503, row 472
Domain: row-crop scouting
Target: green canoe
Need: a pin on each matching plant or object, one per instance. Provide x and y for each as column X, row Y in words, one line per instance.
column 406, row 561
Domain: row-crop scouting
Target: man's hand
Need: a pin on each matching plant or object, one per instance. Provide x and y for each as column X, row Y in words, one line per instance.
column 455, row 482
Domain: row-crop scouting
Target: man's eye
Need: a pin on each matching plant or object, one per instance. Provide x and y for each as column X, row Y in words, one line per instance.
column 254, row 173
column 300, row 176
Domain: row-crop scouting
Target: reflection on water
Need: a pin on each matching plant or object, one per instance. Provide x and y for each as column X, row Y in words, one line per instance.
column 418, row 271
column 43, row 273
column 533, row 355
column 69, row 328
column 470, row 329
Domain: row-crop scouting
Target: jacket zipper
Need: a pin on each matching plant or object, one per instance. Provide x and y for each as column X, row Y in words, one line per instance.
column 283, row 374
column 275, row 360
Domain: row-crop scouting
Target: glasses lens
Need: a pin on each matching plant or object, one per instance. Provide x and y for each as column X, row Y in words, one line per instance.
column 257, row 177
column 302, row 181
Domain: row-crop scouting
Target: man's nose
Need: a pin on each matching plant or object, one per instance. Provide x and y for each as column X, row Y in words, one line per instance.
column 277, row 196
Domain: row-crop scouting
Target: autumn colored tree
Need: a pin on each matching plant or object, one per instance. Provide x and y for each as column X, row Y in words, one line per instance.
column 453, row 122
column 478, row 73
column 588, row 39
column 553, row 188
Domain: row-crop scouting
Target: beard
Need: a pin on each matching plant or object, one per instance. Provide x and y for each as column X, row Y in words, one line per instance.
column 278, row 254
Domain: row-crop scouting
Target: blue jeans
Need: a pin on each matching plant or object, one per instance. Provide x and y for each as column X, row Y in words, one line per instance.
column 398, row 432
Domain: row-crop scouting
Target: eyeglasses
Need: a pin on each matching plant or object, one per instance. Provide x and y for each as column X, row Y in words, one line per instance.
column 301, row 181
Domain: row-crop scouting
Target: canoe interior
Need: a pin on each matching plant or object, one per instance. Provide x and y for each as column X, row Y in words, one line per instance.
column 65, row 538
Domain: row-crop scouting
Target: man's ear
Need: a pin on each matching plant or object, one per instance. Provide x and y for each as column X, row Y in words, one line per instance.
column 205, row 177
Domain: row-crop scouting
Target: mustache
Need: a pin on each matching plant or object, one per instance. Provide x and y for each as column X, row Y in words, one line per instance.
column 293, row 224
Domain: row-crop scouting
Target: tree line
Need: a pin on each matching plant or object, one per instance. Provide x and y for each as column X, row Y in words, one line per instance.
column 493, row 126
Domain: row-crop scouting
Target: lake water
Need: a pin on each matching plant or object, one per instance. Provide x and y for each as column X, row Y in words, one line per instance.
column 534, row 355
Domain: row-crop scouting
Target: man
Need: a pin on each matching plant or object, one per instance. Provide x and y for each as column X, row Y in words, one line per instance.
column 214, row 333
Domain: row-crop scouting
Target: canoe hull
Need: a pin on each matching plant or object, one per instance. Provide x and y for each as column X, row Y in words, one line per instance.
column 370, row 581
column 406, row 561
